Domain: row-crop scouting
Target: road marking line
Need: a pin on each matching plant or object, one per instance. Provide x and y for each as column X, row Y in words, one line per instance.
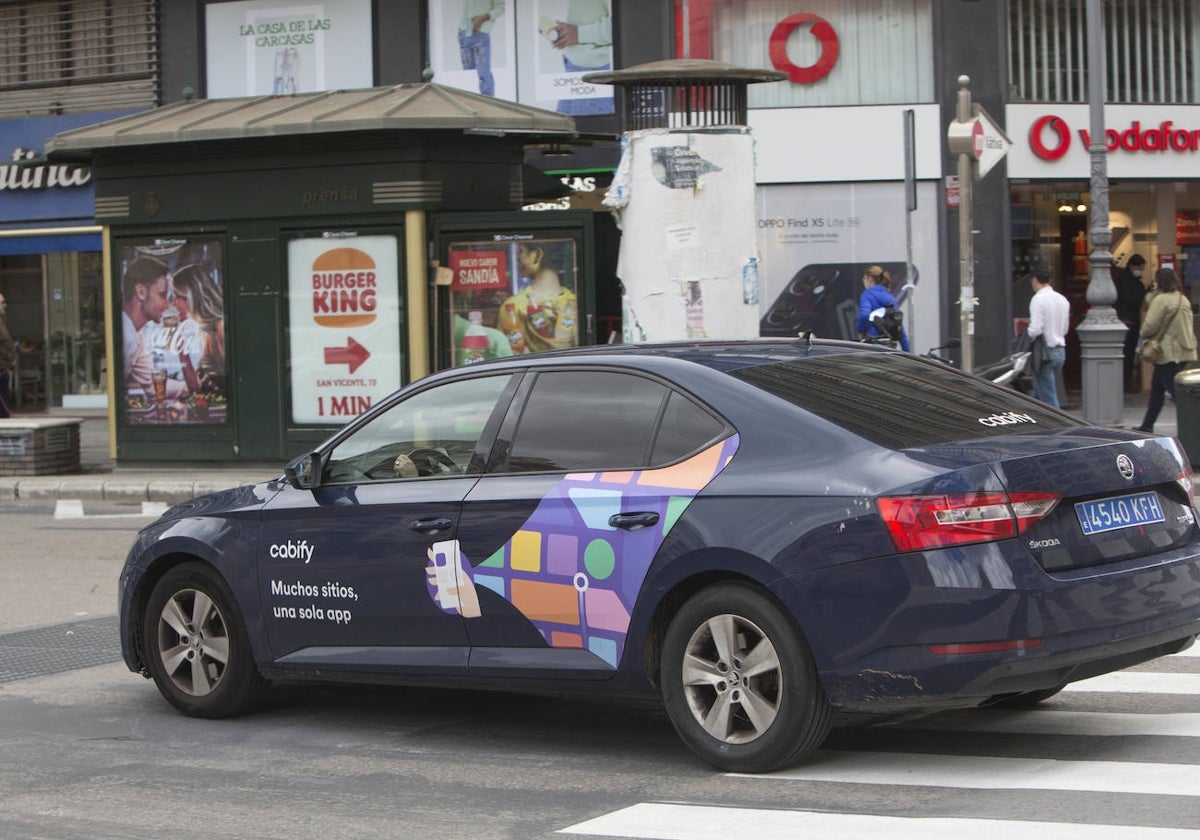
column 73, row 509
column 663, row 821
column 1141, row 682
column 1056, row 722
column 993, row 773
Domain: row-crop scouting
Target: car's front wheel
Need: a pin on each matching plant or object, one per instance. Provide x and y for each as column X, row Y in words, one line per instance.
column 739, row 682
column 196, row 647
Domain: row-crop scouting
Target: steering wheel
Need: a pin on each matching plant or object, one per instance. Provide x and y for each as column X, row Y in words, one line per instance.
column 435, row 461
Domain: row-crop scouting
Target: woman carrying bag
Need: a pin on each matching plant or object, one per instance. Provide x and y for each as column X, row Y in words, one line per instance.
column 1168, row 341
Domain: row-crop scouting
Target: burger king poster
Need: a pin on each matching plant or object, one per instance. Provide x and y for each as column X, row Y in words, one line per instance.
column 343, row 325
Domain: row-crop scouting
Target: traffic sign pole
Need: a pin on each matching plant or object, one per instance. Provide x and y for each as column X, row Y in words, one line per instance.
column 966, row 242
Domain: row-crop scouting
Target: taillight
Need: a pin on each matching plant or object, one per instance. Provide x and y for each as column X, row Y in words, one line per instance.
column 1188, row 484
column 944, row 519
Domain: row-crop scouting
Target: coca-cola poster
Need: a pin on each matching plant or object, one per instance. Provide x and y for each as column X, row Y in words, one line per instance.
column 344, row 313
column 512, row 294
column 173, row 363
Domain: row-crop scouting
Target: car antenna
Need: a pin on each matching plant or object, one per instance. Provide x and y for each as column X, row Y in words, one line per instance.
column 807, row 336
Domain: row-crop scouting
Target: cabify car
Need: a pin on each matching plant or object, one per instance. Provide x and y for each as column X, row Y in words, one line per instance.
column 761, row 533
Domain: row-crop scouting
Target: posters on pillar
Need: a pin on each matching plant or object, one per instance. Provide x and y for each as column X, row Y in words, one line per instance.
column 513, row 294
column 343, row 325
column 282, row 47
column 816, row 242
column 173, row 333
column 472, row 46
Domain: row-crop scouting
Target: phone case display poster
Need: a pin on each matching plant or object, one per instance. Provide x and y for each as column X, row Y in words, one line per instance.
column 173, row 333
column 473, row 45
column 265, row 47
column 817, row 241
column 512, row 295
column 344, row 325
column 570, row 38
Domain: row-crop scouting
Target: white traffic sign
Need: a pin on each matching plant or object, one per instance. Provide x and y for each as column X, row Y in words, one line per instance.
column 991, row 143
column 980, row 139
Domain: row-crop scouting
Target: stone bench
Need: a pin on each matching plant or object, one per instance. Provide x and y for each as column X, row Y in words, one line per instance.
column 39, row 445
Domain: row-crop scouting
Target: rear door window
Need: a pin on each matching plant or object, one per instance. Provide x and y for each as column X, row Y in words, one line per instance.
column 686, row 428
column 900, row 401
column 586, row 420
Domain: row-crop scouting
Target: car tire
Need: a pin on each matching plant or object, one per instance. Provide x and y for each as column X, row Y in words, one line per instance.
column 738, row 721
column 196, row 647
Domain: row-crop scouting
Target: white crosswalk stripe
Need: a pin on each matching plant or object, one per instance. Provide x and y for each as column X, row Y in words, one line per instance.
column 1140, row 682
column 707, row 822
column 992, row 773
column 1039, row 775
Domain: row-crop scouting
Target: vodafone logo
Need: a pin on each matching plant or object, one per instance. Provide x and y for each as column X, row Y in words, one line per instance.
column 344, row 288
column 821, row 30
column 1059, row 143
column 1050, row 138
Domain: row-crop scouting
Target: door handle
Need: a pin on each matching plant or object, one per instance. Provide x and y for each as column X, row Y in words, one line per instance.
column 633, row 521
column 431, row 526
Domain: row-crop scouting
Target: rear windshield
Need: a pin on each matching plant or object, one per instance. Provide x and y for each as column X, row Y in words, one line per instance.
column 902, row 402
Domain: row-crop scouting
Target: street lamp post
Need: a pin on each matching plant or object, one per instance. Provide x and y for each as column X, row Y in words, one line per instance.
column 1101, row 334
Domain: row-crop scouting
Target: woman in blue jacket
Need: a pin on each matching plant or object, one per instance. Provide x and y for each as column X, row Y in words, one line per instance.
column 876, row 295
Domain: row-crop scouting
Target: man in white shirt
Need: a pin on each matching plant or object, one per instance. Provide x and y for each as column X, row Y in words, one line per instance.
column 1050, row 318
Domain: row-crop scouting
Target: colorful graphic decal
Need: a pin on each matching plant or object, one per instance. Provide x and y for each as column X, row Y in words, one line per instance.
column 571, row 573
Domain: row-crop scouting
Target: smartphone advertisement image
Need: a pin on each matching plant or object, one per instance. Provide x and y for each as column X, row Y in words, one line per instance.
column 818, row 240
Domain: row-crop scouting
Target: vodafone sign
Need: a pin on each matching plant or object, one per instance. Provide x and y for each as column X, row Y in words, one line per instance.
column 1142, row 141
column 822, row 30
column 343, row 325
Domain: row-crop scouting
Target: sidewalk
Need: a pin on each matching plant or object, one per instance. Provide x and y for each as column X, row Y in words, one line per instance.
column 100, row 478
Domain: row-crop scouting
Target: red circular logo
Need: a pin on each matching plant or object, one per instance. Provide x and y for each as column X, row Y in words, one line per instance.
column 1063, row 141
column 821, row 30
column 977, row 139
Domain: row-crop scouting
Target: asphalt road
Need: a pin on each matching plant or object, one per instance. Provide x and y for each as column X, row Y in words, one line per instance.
column 89, row 750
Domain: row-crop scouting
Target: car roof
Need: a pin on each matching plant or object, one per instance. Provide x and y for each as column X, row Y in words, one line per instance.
column 725, row 356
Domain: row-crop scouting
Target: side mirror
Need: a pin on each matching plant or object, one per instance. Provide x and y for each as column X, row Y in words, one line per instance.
column 304, row 473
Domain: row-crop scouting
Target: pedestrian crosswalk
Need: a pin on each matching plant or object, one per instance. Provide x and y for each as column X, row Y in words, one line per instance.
column 1107, row 720
column 706, row 822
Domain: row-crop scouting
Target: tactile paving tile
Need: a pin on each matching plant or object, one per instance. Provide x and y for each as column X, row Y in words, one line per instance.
column 58, row 648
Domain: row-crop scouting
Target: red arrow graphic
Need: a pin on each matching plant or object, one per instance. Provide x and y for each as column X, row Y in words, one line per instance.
column 353, row 354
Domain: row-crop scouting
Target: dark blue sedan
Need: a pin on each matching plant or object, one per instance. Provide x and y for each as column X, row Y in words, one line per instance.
column 759, row 533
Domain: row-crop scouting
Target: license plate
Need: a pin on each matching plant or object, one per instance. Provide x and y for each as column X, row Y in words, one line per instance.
column 1102, row 515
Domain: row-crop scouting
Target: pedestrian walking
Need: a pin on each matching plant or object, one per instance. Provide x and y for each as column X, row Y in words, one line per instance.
column 8, row 359
column 1131, row 282
column 1049, row 320
column 1168, row 340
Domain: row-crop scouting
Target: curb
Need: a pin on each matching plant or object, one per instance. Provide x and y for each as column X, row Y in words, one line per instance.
column 122, row 489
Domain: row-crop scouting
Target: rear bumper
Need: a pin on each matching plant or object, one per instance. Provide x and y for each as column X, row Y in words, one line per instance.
column 972, row 680
column 871, row 624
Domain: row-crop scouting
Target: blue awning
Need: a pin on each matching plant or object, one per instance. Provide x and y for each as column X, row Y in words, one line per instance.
column 50, row 244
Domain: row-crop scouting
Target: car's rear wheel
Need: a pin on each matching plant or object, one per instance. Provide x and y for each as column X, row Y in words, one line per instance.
column 196, row 647
column 739, row 682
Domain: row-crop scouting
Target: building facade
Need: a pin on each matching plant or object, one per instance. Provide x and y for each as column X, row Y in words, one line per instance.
column 852, row 163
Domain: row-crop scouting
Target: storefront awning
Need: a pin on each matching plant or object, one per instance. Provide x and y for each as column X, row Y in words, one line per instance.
column 409, row 107
column 50, row 240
